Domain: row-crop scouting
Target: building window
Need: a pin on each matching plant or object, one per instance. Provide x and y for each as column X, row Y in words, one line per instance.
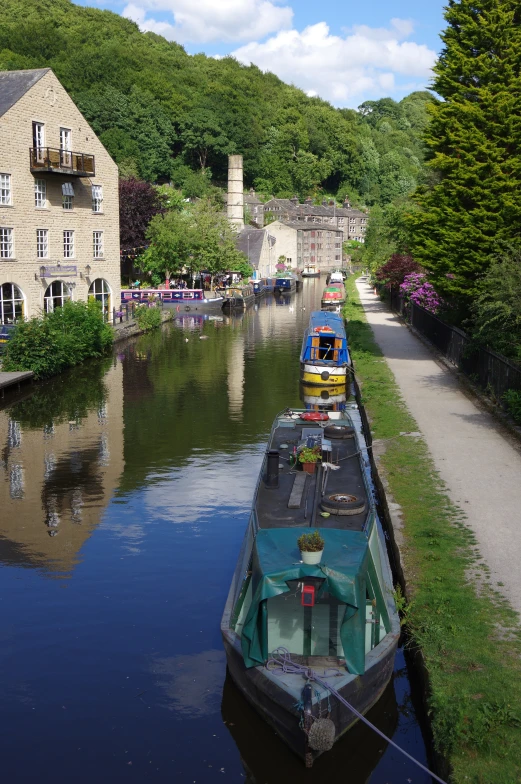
column 67, row 195
column 39, row 141
column 97, row 244
column 68, row 244
column 340, row 221
column 55, row 295
column 65, row 146
column 100, row 291
column 67, row 202
column 97, row 198
column 42, row 243
column 11, row 304
column 40, row 194
column 6, row 243
column 5, row 189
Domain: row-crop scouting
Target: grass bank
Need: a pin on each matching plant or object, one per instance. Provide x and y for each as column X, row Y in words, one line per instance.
column 469, row 636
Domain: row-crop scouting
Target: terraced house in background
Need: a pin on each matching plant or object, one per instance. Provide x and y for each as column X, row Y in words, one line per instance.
column 59, row 211
column 351, row 222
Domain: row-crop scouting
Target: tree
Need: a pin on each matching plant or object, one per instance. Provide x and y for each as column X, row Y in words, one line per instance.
column 393, row 272
column 496, row 312
column 138, row 203
column 474, row 142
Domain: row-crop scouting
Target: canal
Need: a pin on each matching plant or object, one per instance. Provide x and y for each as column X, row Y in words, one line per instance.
column 125, row 488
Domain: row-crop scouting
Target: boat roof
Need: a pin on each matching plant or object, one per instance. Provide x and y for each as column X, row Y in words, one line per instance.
column 295, row 502
column 323, row 318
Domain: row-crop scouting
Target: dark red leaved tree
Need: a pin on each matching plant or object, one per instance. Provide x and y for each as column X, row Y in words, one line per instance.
column 138, row 203
column 393, row 272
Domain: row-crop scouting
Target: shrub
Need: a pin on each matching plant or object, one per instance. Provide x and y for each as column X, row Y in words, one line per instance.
column 58, row 340
column 311, row 543
column 512, row 401
column 394, row 271
column 416, row 288
column 148, row 317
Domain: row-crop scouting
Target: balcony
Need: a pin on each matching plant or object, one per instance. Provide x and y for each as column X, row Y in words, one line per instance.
column 52, row 159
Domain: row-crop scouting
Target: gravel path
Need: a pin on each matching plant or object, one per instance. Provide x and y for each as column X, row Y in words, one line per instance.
column 480, row 466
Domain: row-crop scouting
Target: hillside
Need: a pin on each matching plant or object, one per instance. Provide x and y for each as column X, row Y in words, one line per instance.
column 164, row 114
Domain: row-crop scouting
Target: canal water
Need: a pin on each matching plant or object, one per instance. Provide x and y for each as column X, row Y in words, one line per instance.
column 125, row 488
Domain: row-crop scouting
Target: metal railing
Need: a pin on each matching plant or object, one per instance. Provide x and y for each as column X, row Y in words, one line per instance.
column 54, row 159
column 493, row 372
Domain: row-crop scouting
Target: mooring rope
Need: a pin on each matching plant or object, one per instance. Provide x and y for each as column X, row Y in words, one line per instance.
column 281, row 658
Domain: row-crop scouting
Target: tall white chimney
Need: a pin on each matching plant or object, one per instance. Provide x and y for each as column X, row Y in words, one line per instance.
column 235, row 192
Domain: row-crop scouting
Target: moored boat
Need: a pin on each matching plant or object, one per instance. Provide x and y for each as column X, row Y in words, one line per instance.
column 333, row 295
column 310, row 271
column 260, row 287
column 336, row 618
column 238, row 297
column 324, row 358
column 285, row 284
column 186, row 300
column 330, row 398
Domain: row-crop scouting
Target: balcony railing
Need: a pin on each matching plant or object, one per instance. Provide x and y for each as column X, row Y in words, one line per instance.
column 52, row 159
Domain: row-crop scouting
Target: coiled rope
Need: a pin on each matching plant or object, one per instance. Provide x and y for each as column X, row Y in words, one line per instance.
column 282, row 663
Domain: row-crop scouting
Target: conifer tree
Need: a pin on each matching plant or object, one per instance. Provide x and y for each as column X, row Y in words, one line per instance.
column 473, row 203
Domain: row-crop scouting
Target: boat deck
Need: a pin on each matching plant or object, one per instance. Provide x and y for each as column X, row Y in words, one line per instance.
column 296, row 500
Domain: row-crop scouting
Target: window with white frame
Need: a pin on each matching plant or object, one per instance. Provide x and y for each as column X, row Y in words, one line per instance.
column 97, row 244
column 67, row 195
column 67, row 202
column 97, row 198
column 11, row 304
column 40, row 193
column 68, row 244
column 42, row 243
column 6, row 243
column 55, row 295
column 5, row 189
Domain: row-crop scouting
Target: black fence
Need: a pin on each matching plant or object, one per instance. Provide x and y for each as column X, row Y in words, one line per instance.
column 493, row 372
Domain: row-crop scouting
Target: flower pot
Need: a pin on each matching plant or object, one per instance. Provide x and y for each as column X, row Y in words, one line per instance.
column 309, row 468
column 311, row 558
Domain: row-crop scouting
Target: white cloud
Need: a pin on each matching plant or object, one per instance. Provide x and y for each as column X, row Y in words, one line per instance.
column 344, row 70
column 211, row 20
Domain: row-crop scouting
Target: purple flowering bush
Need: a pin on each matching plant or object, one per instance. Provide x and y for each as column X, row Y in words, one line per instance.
column 416, row 288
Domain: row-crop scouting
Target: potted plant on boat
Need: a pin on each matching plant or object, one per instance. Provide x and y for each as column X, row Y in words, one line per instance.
column 309, row 456
column 311, row 547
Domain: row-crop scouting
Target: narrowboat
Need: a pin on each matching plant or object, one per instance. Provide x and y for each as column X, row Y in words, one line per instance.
column 324, row 359
column 186, row 300
column 238, row 297
column 260, row 287
column 293, row 630
column 333, row 295
column 310, row 271
column 286, row 284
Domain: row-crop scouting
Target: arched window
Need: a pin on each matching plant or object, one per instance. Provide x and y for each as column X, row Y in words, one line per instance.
column 99, row 289
column 55, row 295
column 11, row 304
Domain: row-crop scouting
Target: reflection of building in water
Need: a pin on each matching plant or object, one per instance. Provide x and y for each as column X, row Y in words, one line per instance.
column 235, row 376
column 56, row 480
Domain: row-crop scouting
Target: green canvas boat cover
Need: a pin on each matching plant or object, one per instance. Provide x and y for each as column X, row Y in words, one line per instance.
column 276, row 559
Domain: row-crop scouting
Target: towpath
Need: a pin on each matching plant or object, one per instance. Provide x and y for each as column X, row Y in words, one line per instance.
column 479, row 464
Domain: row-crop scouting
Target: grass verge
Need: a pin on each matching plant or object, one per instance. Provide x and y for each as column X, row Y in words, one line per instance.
column 469, row 635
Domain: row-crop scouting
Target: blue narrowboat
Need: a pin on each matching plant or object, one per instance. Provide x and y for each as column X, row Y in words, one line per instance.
column 260, row 287
column 286, row 284
column 324, row 359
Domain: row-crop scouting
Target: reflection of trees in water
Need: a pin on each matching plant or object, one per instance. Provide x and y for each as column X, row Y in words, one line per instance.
column 67, row 398
column 69, row 483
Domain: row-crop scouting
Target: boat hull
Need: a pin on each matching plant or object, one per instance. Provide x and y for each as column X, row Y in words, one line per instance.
column 278, row 707
column 238, row 303
column 322, row 375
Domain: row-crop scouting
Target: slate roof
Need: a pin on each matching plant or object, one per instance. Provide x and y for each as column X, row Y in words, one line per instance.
column 312, row 209
column 252, row 249
column 14, row 84
column 307, row 226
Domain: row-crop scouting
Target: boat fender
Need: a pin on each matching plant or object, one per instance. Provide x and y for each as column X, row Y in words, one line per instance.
column 187, row 308
column 321, row 735
column 339, row 431
column 314, row 416
column 324, row 375
column 343, row 504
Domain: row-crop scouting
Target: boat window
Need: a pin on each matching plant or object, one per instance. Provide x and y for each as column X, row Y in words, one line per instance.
column 306, row 631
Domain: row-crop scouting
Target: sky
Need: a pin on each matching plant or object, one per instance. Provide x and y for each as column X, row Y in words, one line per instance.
column 343, row 51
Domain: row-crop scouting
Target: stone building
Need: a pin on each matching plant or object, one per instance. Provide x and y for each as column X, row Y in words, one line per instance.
column 353, row 223
column 59, row 206
column 304, row 243
column 258, row 247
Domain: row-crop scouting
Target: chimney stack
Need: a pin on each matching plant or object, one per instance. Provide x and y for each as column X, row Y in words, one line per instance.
column 235, row 192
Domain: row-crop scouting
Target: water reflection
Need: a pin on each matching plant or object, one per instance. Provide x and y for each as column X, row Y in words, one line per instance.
column 61, row 462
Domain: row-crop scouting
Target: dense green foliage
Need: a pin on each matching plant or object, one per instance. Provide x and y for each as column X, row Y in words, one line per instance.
column 497, row 308
column 163, row 114
column 194, row 237
column 147, row 317
column 472, row 206
column 58, row 340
